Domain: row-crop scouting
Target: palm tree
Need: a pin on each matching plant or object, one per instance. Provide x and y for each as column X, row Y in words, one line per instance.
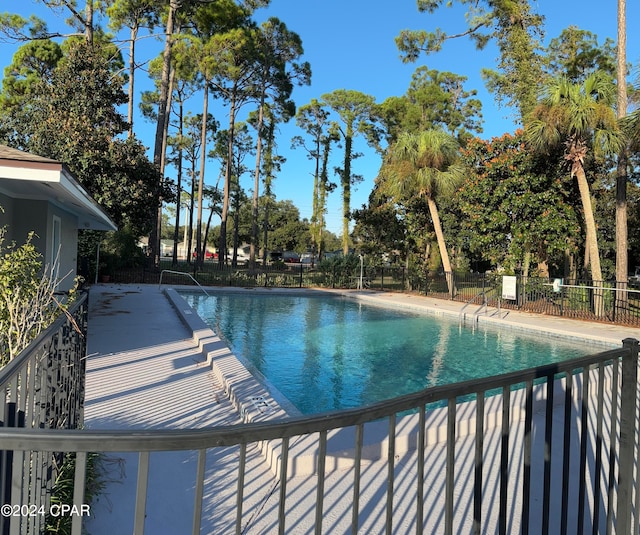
column 424, row 165
column 582, row 117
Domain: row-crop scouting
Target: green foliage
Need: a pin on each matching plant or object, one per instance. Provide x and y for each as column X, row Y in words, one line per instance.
column 355, row 111
column 19, row 268
column 31, row 63
column 14, row 28
column 379, row 230
column 28, row 303
column 62, row 491
column 515, row 203
column 121, row 250
column 510, row 24
column 433, row 100
column 71, row 116
column 576, row 53
column 340, row 269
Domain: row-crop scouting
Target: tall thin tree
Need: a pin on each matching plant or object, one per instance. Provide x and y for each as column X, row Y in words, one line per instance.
column 580, row 117
column 354, row 109
column 622, row 242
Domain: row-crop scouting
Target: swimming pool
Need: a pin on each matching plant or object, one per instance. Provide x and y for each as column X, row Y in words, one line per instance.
column 328, row 353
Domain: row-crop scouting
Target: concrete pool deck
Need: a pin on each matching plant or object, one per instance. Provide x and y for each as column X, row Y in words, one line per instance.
column 146, row 370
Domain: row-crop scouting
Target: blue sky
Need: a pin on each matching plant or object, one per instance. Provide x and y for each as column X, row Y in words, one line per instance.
column 350, row 45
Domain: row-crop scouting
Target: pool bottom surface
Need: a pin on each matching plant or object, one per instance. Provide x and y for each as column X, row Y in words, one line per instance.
column 327, row 353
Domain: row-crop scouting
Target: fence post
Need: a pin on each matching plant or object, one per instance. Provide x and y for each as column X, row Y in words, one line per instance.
column 301, row 274
column 628, row 396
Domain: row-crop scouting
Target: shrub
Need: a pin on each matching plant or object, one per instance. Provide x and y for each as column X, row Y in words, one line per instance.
column 28, row 301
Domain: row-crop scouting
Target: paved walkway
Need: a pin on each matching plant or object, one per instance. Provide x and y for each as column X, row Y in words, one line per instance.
column 145, row 370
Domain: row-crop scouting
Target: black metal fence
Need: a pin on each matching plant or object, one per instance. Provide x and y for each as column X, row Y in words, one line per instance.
column 42, row 388
column 579, row 299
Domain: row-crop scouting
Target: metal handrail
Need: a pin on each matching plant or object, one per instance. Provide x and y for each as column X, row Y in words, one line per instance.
column 181, row 273
column 468, row 302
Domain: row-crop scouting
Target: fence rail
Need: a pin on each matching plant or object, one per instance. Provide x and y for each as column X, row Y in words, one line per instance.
column 553, row 445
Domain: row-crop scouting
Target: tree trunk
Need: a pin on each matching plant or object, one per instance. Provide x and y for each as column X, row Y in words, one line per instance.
column 265, row 230
column 179, row 188
column 206, row 233
column 256, row 188
column 203, row 158
column 236, row 225
column 315, row 218
column 444, row 254
column 191, row 207
column 89, row 22
column 622, row 260
column 132, row 68
column 158, row 148
column 346, row 193
column 322, row 199
column 592, row 238
column 222, row 252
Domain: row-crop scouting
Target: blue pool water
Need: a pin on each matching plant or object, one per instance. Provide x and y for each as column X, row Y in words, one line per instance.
column 329, row 353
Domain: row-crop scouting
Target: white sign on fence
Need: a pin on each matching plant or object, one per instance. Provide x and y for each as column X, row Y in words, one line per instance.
column 509, row 287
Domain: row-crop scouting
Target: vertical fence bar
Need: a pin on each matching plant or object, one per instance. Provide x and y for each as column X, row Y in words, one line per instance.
column 355, row 510
column 478, row 465
column 242, row 462
column 391, row 452
column 322, row 456
column 283, row 484
column 548, row 451
column 450, row 471
column 613, row 440
column 526, row 458
column 504, row 460
column 627, row 434
column 636, row 519
column 21, row 407
column 420, row 475
column 566, row 450
column 5, row 480
column 199, row 491
column 584, row 439
column 141, row 492
column 598, row 447
column 78, row 491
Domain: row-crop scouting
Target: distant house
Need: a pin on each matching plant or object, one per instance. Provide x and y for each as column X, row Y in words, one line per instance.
column 41, row 195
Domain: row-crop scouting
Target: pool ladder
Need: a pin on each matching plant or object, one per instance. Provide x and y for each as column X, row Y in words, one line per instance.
column 476, row 314
column 181, row 273
column 484, row 306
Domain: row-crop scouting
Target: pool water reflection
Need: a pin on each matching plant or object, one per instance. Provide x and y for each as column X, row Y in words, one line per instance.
column 328, row 353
